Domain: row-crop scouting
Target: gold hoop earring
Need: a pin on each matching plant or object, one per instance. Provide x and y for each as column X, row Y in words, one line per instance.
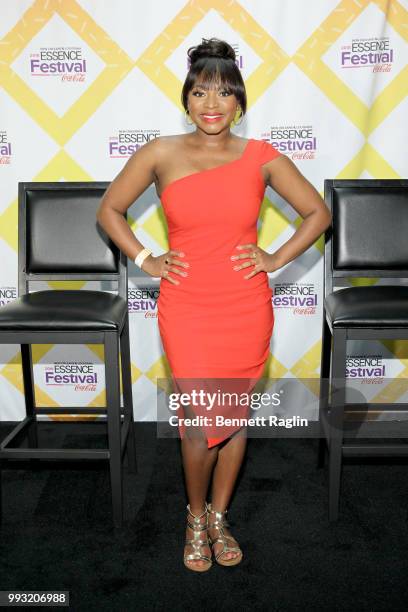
column 241, row 116
column 186, row 116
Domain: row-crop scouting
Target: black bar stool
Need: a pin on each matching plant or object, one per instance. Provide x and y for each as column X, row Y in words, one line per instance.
column 368, row 238
column 59, row 239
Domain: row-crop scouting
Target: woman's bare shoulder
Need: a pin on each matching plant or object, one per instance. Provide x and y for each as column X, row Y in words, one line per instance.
column 156, row 152
column 165, row 151
column 166, row 142
column 167, row 145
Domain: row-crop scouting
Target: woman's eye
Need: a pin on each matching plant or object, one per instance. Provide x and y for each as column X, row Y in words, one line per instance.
column 223, row 92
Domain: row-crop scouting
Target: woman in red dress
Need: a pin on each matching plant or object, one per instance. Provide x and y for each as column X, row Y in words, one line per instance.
column 214, row 311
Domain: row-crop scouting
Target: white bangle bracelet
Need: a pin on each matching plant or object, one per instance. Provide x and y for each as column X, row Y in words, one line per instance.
column 142, row 256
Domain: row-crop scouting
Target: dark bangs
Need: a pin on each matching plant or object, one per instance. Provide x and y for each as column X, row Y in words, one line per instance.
column 209, row 72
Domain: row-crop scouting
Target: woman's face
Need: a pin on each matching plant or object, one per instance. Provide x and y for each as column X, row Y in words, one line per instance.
column 211, row 109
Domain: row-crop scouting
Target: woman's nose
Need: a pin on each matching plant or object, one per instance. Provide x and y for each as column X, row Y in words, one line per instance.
column 211, row 99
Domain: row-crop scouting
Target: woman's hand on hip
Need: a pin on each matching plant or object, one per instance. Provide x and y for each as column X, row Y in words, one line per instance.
column 165, row 265
column 256, row 258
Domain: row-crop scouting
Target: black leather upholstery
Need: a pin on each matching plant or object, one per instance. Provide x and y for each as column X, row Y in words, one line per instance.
column 59, row 239
column 376, row 306
column 368, row 238
column 370, row 227
column 62, row 233
column 64, row 311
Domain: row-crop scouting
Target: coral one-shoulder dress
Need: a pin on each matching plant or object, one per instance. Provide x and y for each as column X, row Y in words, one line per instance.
column 215, row 324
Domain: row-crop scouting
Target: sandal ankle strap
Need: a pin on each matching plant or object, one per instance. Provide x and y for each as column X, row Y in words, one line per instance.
column 195, row 517
column 220, row 520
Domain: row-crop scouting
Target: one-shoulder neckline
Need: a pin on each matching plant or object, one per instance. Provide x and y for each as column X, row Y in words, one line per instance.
column 233, row 161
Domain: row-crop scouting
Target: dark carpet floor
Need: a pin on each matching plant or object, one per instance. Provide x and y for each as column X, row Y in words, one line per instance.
column 57, row 533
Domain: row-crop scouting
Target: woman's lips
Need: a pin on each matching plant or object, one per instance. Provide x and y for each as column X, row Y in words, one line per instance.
column 211, row 118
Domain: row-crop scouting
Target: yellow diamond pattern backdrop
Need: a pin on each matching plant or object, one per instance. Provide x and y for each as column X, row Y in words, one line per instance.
column 84, row 83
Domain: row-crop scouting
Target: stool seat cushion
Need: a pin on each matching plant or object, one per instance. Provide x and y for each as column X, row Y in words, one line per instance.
column 80, row 310
column 375, row 306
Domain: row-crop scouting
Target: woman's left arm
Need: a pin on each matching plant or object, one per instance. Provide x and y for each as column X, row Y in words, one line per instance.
column 284, row 177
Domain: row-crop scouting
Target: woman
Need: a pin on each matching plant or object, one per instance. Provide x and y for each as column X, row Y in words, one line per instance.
column 214, row 311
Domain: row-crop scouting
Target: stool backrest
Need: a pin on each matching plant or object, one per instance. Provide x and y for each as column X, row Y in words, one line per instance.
column 369, row 232
column 59, row 237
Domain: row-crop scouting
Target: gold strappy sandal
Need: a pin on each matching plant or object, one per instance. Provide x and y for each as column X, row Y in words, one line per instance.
column 196, row 542
column 219, row 523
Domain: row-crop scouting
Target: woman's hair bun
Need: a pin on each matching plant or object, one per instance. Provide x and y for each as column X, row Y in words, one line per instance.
column 211, row 47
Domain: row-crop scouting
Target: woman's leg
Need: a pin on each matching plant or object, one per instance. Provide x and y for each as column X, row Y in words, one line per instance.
column 198, row 464
column 230, row 457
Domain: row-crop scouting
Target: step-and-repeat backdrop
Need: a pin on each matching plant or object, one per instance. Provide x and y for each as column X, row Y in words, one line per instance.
column 85, row 83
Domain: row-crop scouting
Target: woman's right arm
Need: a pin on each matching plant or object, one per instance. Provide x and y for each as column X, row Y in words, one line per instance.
column 134, row 178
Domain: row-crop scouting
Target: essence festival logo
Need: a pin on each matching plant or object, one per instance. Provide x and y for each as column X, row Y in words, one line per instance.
column 81, row 376
column 5, row 148
column 127, row 142
column 375, row 53
column 239, row 58
column 65, row 62
column 143, row 300
column 295, row 141
column 7, row 294
column 300, row 297
column 369, row 368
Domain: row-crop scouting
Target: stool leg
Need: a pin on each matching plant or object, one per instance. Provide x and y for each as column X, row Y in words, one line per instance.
column 111, row 346
column 29, row 394
column 128, row 397
column 336, row 420
column 324, row 389
column 1, row 490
